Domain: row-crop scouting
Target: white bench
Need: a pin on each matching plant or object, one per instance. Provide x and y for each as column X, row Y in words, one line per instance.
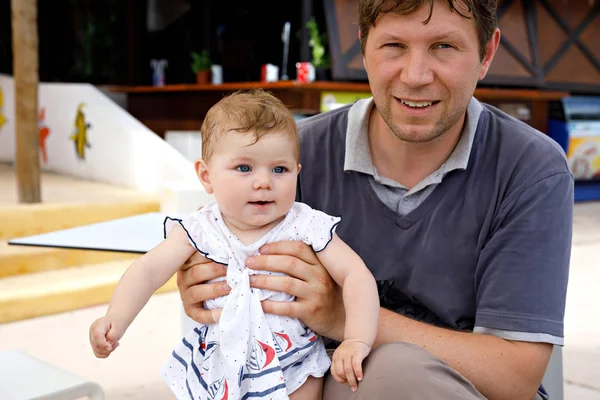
column 23, row 377
column 553, row 379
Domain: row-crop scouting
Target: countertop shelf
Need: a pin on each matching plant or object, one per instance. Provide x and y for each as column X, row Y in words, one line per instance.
column 488, row 93
column 183, row 106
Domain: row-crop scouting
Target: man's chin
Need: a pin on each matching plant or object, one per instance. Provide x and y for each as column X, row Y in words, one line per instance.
column 420, row 135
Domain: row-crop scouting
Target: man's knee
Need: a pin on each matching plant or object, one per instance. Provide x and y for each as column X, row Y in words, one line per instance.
column 394, row 366
column 403, row 370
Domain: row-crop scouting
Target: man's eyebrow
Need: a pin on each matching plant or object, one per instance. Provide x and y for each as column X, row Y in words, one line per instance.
column 447, row 35
column 390, row 36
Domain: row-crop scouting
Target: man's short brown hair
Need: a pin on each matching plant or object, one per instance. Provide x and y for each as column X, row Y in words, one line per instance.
column 483, row 13
column 243, row 111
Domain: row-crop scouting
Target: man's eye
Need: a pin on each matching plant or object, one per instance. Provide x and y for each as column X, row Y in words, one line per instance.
column 243, row 168
column 444, row 46
column 279, row 170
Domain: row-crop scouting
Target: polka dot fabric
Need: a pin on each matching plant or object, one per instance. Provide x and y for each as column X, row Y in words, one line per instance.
column 248, row 354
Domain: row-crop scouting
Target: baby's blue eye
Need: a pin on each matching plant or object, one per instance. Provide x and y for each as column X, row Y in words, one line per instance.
column 279, row 170
column 243, row 168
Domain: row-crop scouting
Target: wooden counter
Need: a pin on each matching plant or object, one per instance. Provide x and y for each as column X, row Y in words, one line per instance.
column 183, row 106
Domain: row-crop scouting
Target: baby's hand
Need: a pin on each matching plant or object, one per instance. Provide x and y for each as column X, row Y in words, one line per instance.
column 104, row 337
column 346, row 364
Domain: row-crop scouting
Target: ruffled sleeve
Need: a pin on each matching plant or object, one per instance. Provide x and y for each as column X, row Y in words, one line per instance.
column 189, row 224
column 202, row 234
column 320, row 229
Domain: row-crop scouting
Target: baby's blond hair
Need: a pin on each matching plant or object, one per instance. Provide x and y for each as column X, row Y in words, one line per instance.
column 255, row 110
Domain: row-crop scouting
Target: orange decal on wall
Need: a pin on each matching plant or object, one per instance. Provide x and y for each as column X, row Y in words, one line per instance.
column 44, row 132
column 2, row 117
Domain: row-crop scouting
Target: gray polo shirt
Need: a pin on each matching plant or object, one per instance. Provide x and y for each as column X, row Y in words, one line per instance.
column 393, row 194
column 486, row 250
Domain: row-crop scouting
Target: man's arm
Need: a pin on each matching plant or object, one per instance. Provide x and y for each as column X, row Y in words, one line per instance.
column 499, row 369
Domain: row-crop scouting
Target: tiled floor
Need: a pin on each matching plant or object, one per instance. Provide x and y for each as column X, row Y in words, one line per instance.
column 132, row 373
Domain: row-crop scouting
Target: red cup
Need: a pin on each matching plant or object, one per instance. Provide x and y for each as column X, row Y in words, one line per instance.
column 305, row 72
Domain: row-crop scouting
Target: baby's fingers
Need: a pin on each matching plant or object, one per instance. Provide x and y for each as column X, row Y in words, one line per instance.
column 337, row 370
column 101, row 350
column 99, row 340
column 101, row 353
column 349, row 373
column 102, row 347
column 357, row 367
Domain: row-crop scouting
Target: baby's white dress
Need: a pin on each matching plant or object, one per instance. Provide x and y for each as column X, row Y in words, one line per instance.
column 249, row 354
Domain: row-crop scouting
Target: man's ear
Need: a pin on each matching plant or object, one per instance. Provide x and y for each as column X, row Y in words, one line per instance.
column 490, row 51
column 360, row 38
column 299, row 168
column 203, row 175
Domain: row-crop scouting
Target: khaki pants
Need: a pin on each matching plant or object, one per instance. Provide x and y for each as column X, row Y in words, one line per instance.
column 404, row 371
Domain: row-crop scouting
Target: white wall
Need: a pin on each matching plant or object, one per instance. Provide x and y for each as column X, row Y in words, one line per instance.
column 122, row 151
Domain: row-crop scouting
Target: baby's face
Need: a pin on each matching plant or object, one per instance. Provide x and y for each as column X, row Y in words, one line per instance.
column 254, row 184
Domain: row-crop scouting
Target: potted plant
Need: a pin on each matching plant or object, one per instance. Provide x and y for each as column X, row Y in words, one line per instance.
column 201, row 66
column 320, row 60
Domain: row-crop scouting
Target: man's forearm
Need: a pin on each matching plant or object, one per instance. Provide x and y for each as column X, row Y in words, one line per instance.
column 498, row 368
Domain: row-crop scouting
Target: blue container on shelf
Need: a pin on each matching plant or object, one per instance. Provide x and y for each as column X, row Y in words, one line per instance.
column 557, row 125
column 574, row 123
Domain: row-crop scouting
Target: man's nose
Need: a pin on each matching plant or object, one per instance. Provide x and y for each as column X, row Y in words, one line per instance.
column 262, row 180
column 416, row 70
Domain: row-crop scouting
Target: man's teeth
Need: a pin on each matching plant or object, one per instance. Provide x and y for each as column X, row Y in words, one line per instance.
column 417, row 104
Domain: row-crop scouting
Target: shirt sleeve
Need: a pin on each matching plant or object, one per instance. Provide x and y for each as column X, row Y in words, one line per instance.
column 522, row 273
column 188, row 223
column 320, row 229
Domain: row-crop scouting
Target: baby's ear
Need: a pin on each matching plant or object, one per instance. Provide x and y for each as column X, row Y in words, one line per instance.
column 203, row 174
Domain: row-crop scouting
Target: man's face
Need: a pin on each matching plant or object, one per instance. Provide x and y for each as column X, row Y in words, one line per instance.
column 422, row 76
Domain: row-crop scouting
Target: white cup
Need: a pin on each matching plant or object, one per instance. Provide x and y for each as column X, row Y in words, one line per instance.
column 217, row 74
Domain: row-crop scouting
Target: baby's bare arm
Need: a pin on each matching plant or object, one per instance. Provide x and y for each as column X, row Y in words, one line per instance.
column 361, row 300
column 361, row 303
column 146, row 275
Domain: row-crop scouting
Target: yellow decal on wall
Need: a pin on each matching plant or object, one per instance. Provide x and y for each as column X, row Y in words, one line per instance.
column 79, row 136
column 2, row 117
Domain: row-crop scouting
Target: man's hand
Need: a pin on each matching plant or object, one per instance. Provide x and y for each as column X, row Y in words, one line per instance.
column 194, row 291
column 318, row 298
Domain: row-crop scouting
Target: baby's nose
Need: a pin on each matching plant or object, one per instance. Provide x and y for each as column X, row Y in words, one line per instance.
column 262, row 180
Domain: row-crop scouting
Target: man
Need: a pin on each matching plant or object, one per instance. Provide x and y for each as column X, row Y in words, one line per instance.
column 463, row 214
